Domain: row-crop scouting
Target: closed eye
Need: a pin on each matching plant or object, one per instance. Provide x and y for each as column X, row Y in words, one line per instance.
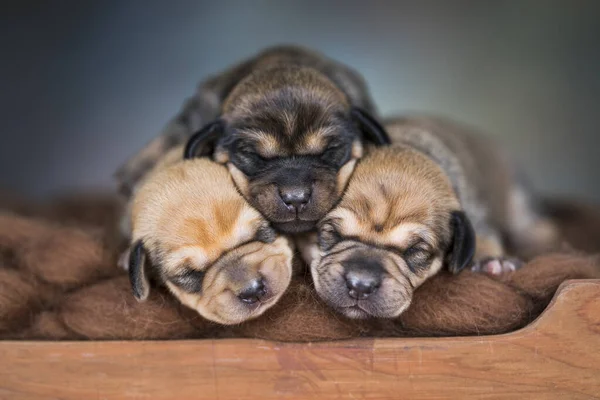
column 418, row 256
column 190, row 280
column 337, row 153
column 249, row 162
column 251, row 155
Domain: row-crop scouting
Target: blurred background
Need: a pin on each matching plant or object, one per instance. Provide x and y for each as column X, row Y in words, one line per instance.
column 85, row 83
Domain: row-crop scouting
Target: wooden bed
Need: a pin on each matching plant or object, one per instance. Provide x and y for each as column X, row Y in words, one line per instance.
column 555, row 357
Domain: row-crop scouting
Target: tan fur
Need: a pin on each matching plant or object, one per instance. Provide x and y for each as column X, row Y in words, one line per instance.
column 238, row 177
column 396, row 198
column 314, row 142
column 266, row 145
column 392, row 186
column 188, row 205
column 344, row 175
column 189, row 215
column 487, row 183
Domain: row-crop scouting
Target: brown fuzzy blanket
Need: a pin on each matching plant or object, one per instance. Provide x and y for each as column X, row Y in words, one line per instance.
column 59, row 280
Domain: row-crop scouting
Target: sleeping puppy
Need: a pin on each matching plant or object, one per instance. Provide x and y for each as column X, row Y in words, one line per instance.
column 289, row 124
column 194, row 233
column 494, row 194
column 440, row 197
column 398, row 224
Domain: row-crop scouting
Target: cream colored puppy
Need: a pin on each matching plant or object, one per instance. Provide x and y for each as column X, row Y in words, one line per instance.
column 193, row 232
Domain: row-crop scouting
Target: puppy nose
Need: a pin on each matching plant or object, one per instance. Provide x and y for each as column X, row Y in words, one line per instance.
column 253, row 292
column 361, row 286
column 295, row 197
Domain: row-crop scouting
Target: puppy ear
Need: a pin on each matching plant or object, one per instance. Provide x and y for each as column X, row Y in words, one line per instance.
column 140, row 284
column 463, row 242
column 370, row 128
column 202, row 143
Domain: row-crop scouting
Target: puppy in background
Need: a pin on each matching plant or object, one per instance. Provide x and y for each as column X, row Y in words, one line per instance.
column 192, row 232
column 412, row 208
column 289, row 124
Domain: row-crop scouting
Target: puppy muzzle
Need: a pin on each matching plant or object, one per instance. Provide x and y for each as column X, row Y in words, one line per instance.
column 360, row 287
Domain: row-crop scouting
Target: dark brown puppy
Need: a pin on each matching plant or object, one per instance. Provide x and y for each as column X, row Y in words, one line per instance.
column 290, row 125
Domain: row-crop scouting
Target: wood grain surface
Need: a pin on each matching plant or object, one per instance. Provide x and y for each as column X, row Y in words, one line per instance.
column 556, row 357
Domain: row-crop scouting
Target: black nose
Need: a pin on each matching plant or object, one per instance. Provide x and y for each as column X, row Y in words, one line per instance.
column 253, row 292
column 295, row 197
column 362, row 285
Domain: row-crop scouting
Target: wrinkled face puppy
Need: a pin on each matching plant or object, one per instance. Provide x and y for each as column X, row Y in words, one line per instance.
column 291, row 141
column 194, row 233
column 398, row 223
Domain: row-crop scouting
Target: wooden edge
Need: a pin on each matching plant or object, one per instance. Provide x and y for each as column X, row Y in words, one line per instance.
column 567, row 298
column 557, row 356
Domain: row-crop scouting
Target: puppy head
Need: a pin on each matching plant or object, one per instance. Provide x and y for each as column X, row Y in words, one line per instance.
column 212, row 250
column 290, row 140
column 397, row 224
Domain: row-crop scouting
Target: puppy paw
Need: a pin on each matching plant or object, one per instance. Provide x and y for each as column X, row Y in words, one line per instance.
column 496, row 266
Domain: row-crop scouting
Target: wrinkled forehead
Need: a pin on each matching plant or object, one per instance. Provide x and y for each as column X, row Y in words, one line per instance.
column 252, row 253
column 394, row 207
column 219, row 224
column 355, row 249
column 402, row 233
column 235, row 262
column 386, row 219
column 184, row 238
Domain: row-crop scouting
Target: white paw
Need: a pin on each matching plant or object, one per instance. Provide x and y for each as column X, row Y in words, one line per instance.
column 496, row 265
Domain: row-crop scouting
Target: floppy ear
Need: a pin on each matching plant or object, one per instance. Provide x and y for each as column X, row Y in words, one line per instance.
column 202, row 143
column 140, row 284
column 463, row 242
column 370, row 128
